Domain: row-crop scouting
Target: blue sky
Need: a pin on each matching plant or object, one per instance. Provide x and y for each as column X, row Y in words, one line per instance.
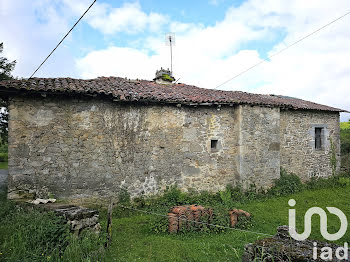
column 215, row 40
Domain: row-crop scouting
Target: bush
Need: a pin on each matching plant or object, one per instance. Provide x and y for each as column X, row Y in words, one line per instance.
column 225, row 197
column 236, row 192
column 3, row 148
column 331, row 182
column 158, row 224
column 345, row 138
column 287, row 184
column 3, row 157
column 172, row 196
column 124, row 197
column 124, row 200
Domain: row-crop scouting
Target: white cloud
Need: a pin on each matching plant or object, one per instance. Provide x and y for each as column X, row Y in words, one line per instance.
column 117, row 61
column 128, row 18
column 31, row 30
column 316, row 69
column 202, row 55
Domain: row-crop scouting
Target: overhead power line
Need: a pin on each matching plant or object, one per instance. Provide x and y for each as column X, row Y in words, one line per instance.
column 63, row 38
column 284, row 49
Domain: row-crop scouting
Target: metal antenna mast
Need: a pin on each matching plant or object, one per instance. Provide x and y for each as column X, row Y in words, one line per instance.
column 170, row 40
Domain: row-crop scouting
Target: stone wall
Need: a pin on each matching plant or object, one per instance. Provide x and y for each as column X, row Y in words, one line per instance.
column 259, row 145
column 91, row 148
column 298, row 153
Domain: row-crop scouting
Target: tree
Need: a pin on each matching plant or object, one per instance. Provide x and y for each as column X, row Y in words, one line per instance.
column 6, row 68
column 345, row 138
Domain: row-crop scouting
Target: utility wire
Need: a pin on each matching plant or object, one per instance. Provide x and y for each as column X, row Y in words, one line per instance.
column 198, row 222
column 63, row 38
column 284, row 49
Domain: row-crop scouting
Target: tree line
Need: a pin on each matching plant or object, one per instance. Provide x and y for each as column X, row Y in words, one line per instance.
column 345, row 138
column 6, row 68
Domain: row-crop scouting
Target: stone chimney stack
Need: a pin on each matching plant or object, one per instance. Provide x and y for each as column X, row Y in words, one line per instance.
column 164, row 76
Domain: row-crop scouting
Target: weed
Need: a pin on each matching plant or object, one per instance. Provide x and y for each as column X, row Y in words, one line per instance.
column 30, row 234
column 286, row 184
column 26, row 234
column 333, row 157
column 226, row 197
column 124, row 197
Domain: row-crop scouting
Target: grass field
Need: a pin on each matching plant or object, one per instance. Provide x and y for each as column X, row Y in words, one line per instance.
column 28, row 235
column 132, row 240
column 345, row 125
column 3, row 165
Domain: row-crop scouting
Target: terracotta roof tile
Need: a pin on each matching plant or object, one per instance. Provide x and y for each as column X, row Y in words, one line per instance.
column 149, row 91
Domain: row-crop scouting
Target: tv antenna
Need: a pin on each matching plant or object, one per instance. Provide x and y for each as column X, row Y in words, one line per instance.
column 170, row 40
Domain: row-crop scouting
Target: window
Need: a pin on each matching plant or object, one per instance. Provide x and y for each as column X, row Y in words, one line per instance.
column 318, row 137
column 214, row 144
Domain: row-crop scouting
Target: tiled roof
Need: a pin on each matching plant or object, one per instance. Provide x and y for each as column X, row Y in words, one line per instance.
column 148, row 91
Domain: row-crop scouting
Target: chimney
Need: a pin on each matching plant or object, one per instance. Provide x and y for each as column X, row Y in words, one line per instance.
column 164, row 76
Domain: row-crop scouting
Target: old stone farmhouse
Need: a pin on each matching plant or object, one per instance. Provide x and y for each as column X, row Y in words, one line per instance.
column 88, row 138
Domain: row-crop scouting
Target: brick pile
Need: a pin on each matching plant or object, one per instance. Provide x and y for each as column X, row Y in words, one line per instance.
column 187, row 217
column 235, row 214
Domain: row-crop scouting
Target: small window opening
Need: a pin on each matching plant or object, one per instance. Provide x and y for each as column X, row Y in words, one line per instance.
column 214, row 144
column 318, row 138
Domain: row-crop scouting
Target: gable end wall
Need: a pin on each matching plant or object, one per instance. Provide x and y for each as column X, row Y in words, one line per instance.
column 298, row 153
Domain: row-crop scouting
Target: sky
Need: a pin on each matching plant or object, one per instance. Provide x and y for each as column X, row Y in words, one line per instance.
column 214, row 41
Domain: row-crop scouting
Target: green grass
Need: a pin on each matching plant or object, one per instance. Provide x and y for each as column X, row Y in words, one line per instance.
column 26, row 234
column 345, row 125
column 29, row 235
column 133, row 240
column 3, row 165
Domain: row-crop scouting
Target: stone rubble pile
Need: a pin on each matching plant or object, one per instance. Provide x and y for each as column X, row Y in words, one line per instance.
column 283, row 248
column 80, row 218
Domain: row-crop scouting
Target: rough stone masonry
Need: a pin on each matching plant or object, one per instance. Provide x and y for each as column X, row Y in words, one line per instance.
column 90, row 138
